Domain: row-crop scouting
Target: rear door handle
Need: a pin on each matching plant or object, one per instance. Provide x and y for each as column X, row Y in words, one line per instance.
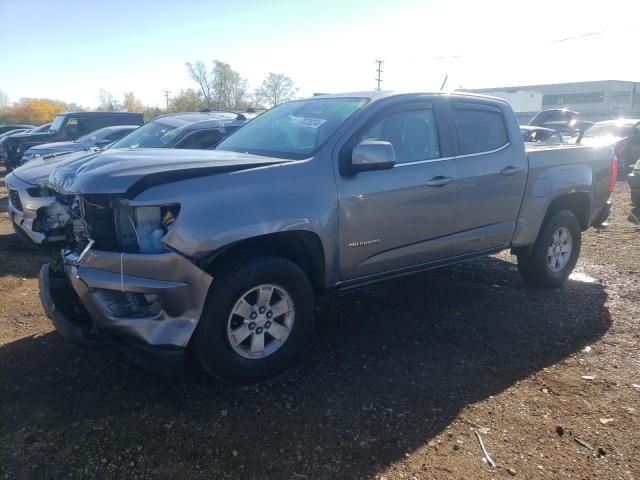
column 439, row 181
column 510, row 170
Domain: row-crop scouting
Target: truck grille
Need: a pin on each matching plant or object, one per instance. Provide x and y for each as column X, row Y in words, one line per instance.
column 14, row 198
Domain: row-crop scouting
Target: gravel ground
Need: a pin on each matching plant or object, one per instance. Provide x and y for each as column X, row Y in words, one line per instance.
column 396, row 383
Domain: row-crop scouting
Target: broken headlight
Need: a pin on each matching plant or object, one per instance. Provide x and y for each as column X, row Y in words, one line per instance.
column 41, row 191
column 150, row 224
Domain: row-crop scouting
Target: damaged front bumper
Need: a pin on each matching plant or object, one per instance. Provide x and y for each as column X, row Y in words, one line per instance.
column 23, row 211
column 149, row 304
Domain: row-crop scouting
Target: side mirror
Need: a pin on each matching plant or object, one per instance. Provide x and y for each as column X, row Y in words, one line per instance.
column 372, row 155
column 52, row 131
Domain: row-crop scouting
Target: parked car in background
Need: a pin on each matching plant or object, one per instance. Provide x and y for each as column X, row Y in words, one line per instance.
column 98, row 139
column 223, row 250
column 566, row 122
column 3, row 138
column 8, row 128
column 622, row 134
column 65, row 127
column 541, row 135
column 14, row 132
column 634, row 184
column 27, row 185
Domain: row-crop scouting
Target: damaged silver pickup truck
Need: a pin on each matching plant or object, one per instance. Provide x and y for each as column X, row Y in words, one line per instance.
column 222, row 252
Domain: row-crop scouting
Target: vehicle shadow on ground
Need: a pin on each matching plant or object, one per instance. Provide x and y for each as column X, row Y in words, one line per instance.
column 19, row 259
column 390, row 366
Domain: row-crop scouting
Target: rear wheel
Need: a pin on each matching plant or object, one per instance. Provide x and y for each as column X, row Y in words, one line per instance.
column 257, row 318
column 555, row 252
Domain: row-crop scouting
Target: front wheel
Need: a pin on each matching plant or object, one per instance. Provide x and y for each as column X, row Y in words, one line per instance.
column 555, row 252
column 257, row 318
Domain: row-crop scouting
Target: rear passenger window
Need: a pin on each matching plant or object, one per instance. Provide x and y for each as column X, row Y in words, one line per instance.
column 479, row 130
column 413, row 135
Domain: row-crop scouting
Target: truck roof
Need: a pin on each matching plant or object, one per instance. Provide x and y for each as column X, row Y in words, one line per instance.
column 620, row 121
column 100, row 113
column 379, row 94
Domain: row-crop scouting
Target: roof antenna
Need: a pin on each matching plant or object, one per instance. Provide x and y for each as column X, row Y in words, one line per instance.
column 446, row 77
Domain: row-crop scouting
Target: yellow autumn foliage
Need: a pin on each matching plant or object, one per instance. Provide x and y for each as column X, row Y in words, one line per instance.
column 35, row 111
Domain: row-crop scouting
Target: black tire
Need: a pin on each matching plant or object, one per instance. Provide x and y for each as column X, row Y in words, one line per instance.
column 211, row 344
column 635, row 199
column 534, row 268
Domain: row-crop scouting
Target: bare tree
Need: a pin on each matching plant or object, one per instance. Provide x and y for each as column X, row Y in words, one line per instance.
column 4, row 100
column 108, row 102
column 221, row 87
column 199, row 74
column 239, row 93
column 276, row 88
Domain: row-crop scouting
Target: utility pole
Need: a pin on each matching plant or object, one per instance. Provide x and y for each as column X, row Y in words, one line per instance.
column 166, row 96
column 379, row 79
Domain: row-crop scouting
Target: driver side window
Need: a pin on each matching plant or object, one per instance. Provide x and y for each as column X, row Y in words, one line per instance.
column 202, row 139
column 412, row 133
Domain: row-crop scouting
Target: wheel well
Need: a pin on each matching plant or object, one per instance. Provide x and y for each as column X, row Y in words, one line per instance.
column 579, row 203
column 303, row 248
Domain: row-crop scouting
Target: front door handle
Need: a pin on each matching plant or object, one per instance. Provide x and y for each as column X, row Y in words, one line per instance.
column 439, row 181
column 510, row 170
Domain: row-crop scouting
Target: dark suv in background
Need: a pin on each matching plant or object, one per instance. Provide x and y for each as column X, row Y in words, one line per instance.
column 195, row 130
column 65, row 127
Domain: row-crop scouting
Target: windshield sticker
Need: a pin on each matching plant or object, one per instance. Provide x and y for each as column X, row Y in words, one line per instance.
column 311, row 122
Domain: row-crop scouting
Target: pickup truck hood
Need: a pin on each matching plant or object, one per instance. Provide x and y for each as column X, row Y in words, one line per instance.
column 131, row 171
column 37, row 171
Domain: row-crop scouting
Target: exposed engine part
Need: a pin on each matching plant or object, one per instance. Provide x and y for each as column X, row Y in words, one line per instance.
column 142, row 228
column 113, row 224
column 57, row 219
column 56, row 216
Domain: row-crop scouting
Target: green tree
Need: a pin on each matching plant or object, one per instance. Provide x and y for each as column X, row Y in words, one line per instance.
column 276, row 88
column 150, row 113
column 188, row 100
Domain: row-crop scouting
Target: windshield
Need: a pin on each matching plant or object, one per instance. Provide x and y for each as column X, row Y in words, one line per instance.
column 93, row 136
column 609, row 130
column 57, row 123
column 156, row 134
column 293, row 130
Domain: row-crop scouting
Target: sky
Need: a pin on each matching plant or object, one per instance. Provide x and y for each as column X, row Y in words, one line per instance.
column 70, row 49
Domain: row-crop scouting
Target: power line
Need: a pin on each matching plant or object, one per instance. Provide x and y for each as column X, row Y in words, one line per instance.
column 582, row 36
column 379, row 79
column 166, row 96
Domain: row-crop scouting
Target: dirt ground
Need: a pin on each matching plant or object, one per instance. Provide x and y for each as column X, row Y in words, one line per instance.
column 397, row 381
